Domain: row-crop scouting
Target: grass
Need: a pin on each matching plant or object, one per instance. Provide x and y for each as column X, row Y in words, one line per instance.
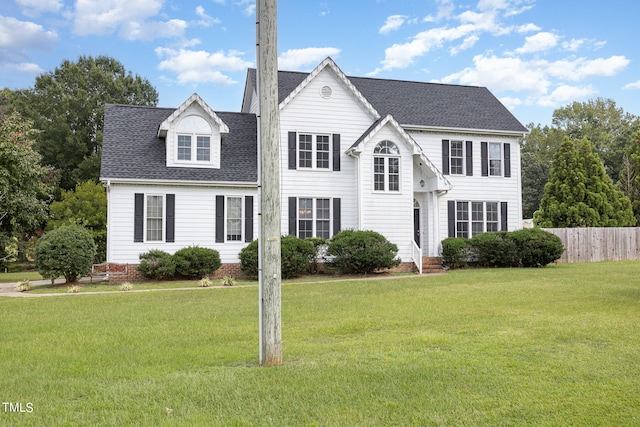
column 541, row 347
column 19, row 275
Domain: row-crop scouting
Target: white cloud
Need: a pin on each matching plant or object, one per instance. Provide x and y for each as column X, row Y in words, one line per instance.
column 564, row 94
column 152, row 30
column 573, row 44
column 101, row 17
column 392, row 23
column 577, row 69
column 510, row 102
column 24, row 67
column 193, row 66
column 36, row 7
column 466, row 44
column 296, row 59
column 205, row 20
column 17, row 36
column 503, row 74
column 538, row 42
column 634, row 85
column 528, row 28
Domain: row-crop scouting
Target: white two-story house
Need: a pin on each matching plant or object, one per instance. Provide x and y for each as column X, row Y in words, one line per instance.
column 417, row 162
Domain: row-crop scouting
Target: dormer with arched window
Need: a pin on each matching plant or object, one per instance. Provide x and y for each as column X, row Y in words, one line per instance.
column 193, row 135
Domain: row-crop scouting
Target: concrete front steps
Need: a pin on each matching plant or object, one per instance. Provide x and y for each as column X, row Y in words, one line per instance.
column 432, row 265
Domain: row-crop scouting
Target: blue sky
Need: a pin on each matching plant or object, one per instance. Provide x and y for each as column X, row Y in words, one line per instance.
column 534, row 55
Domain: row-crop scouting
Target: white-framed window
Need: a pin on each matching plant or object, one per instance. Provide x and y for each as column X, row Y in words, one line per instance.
column 314, row 151
column 192, row 147
column 154, row 218
column 495, row 159
column 184, row 147
column 475, row 217
column 456, row 157
column 203, row 148
column 386, row 167
column 234, row 219
column 314, row 217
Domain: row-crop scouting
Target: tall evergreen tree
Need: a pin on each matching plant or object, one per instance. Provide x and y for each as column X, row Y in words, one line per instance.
column 579, row 192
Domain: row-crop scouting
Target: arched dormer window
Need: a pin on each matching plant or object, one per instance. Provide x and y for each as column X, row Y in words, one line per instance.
column 193, row 143
column 386, row 167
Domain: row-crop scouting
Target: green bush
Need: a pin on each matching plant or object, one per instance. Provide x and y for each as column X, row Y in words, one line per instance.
column 455, row 252
column 157, row 265
column 536, row 247
column 296, row 255
column 195, row 262
column 66, row 251
column 361, row 252
column 249, row 260
column 494, row 250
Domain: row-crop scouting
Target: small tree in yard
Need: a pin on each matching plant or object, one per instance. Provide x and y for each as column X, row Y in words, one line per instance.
column 362, row 252
column 66, row 251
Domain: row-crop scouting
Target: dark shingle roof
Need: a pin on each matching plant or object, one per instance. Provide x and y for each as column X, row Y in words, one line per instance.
column 131, row 148
column 423, row 104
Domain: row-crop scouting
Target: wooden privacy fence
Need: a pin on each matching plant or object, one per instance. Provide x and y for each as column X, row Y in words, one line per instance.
column 598, row 244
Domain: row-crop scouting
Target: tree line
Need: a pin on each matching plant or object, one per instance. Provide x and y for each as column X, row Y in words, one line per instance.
column 50, row 149
column 584, row 169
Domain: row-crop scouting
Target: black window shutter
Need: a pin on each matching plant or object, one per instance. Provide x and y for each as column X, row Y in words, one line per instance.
column 507, row 160
column 445, row 156
column 248, row 218
column 293, row 230
column 336, row 151
column 292, row 150
column 171, row 218
column 451, row 215
column 138, row 218
column 219, row 219
column 336, row 216
column 484, row 154
column 469, row 155
column 503, row 216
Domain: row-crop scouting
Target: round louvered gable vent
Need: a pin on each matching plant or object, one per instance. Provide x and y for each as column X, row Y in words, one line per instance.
column 326, row 92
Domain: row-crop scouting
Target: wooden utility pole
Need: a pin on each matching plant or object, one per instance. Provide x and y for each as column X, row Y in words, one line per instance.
column 269, row 166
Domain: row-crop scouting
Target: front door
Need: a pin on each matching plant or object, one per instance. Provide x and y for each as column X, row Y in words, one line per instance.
column 416, row 223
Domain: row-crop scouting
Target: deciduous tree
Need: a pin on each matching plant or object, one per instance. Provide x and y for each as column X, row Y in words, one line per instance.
column 67, row 105
column 25, row 185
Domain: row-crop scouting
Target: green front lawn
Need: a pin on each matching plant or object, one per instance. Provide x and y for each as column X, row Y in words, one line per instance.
column 540, row 347
column 20, row 275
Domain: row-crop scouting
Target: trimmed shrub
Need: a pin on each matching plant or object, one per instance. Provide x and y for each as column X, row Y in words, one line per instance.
column 536, row 247
column 361, row 252
column 195, row 262
column 66, row 251
column 455, row 252
column 494, row 250
column 296, row 255
column 157, row 265
column 249, row 260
